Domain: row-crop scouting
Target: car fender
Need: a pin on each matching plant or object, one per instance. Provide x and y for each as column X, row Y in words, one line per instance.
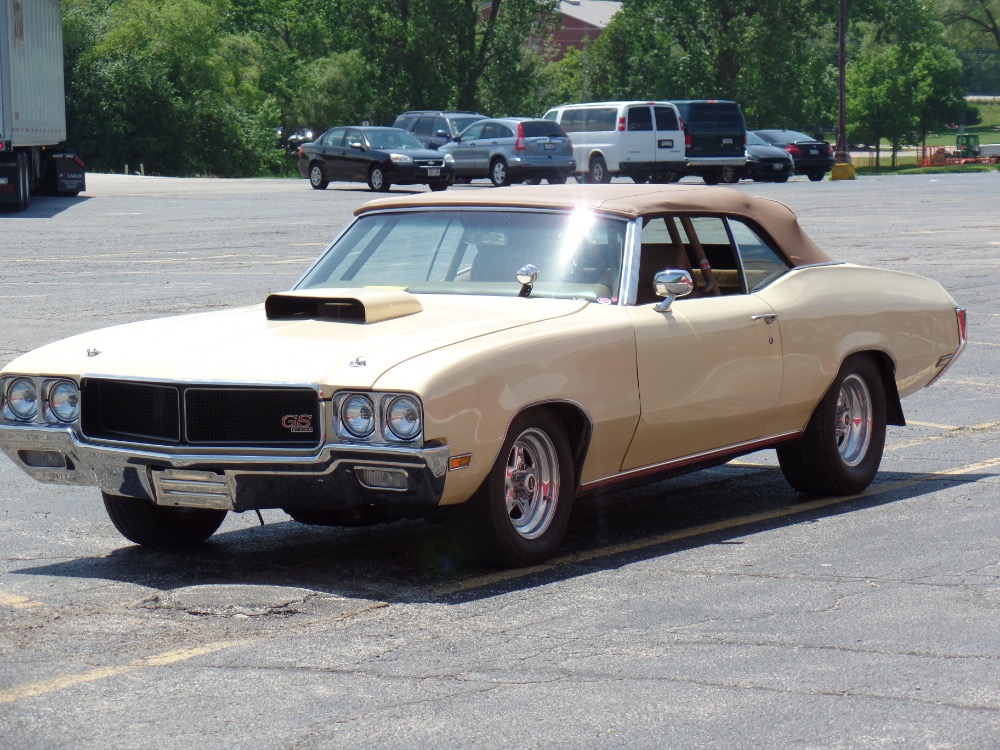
column 581, row 365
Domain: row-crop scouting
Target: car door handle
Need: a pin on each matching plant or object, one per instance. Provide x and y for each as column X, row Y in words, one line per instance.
column 768, row 318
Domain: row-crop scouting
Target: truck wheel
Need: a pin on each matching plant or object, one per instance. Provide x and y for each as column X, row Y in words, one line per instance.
column 841, row 449
column 143, row 522
column 598, row 171
column 711, row 178
column 498, row 173
column 519, row 515
column 316, row 178
column 729, row 175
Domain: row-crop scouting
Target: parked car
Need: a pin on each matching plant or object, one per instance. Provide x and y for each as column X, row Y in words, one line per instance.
column 812, row 157
column 512, row 149
column 488, row 356
column 640, row 140
column 382, row 157
column 435, row 128
column 715, row 137
column 765, row 163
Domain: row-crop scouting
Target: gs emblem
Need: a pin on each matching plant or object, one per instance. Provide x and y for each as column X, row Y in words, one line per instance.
column 297, row 422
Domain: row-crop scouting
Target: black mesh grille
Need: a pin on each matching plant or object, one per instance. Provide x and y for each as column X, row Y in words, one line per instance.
column 250, row 415
column 211, row 415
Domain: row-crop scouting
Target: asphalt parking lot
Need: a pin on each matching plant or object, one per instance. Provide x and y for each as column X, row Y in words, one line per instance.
column 712, row 610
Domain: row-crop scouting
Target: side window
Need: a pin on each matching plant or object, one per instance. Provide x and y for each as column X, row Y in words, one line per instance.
column 473, row 132
column 572, row 120
column 666, row 118
column 354, row 136
column 423, row 126
column 440, row 124
column 761, row 263
column 640, row 118
column 601, row 120
column 552, row 114
column 333, row 137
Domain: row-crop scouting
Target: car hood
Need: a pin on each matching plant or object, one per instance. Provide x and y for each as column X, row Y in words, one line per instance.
column 293, row 345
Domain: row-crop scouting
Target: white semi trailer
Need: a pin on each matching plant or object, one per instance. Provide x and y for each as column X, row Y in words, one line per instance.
column 33, row 158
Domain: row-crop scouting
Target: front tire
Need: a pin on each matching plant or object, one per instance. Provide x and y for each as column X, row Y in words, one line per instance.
column 841, row 449
column 816, row 176
column 316, row 178
column 519, row 515
column 498, row 173
column 377, row 179
column 151, row 525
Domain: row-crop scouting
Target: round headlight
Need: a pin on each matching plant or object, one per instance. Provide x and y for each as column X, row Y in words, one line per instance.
column 403, row 417
column 358, row 415
column 64, row 401
column 22, row 399
column 449, row 159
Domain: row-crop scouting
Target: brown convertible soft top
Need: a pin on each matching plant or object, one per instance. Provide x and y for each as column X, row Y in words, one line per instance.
column 631, row 201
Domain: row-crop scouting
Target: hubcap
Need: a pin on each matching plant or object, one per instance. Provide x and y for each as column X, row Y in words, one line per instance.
column 853, row 420
column 499, row 173
column 377, row 178
column 531, row 483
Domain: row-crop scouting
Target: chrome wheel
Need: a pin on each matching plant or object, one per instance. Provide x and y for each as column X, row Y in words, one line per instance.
column 377, row 180
column 853, row 420
column 316, row 178
column 531, row 483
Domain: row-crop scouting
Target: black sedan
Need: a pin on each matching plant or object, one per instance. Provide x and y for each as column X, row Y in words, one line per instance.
column 766, row 163
column 812, row 157
column 382, row 157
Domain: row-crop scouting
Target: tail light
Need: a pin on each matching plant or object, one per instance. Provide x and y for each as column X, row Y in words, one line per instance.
column 301, row 155
column 960, row 314
column 621, row 124
column 519, row 143
column 793, row 150
column 688, row 141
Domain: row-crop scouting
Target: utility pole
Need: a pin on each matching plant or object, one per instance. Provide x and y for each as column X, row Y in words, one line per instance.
column 843, row 169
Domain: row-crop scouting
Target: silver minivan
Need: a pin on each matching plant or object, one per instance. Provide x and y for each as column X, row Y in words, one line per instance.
column 512, row 149
column 641, row 140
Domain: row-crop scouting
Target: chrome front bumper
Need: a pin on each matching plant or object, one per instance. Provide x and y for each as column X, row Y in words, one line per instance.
column 340, row 476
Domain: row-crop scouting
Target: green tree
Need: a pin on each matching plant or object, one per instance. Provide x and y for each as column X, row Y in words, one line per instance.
column 156, row 84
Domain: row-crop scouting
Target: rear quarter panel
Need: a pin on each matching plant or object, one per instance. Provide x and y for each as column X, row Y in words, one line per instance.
column 827, row 313
column 472, row 391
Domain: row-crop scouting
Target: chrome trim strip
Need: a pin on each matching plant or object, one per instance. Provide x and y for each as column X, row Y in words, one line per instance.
column 735, row 450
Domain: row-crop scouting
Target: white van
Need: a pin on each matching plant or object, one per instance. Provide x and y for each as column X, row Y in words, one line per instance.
column 641, row 140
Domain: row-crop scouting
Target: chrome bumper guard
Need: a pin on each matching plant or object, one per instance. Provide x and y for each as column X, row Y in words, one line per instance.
column 335, row 477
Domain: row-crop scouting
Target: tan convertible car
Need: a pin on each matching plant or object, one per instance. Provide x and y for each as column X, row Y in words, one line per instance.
column 489, row 356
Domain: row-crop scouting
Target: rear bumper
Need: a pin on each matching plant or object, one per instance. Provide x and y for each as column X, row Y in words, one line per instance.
column 334, row 477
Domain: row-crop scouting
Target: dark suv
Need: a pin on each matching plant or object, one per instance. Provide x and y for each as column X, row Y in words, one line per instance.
column 715, row 139
column 434, row 128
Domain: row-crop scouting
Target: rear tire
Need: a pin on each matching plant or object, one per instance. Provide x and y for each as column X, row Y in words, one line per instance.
column 557, row 178
column 519, row 515
column 729, row 175
column 711, row 178
column 23, row 182
column 816, row 176
column 598, row 172
column 841, row 449
column 437, row 187
column 151, row 525
column 316, row 178
column 498, row 173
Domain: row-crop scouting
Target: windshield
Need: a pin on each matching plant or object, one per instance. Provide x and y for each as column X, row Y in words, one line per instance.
column 755, row 140
column 476, row 251
column 396, row 140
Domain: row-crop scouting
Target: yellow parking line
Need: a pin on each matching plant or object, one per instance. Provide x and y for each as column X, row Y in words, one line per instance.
column 67, row 681
column 503, row 576
column 17, row 602
column 931, row 424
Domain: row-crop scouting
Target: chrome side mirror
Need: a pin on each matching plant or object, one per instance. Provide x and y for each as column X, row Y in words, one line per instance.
column 527, row 276
column 670, row 285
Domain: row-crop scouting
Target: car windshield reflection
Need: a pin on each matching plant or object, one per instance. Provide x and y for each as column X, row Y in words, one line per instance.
column 578, row 254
